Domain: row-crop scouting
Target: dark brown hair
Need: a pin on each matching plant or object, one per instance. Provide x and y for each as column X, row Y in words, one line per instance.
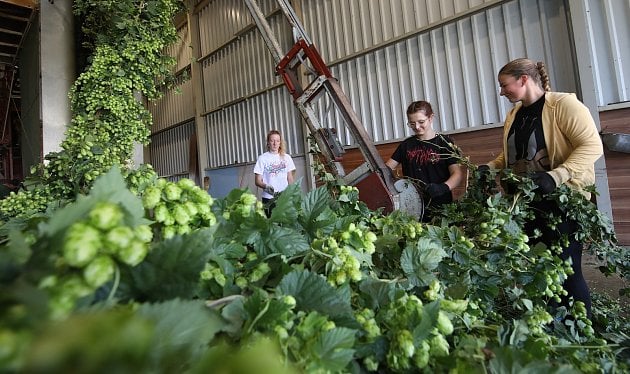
column 523, row 66
column 421, row 105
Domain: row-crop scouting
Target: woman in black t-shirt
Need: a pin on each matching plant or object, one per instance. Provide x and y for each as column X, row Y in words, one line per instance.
column 428, row 158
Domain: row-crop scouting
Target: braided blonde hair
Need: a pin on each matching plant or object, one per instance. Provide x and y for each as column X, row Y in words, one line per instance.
column 523, row 66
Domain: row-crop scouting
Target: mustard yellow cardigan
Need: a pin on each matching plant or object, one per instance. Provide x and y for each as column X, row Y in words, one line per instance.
column 571, row 137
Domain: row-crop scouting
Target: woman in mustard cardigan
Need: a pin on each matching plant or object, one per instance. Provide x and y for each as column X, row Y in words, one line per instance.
column 552, row 138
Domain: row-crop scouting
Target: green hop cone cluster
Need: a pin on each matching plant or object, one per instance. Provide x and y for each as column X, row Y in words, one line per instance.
column 578, row 325
column 24, row 203
column 243, row 208
column 251, row 270
column 454, row 306
column 179, row 207
column 93, row 244
column 344, row 253
column 141, row 178
column 285, row 320
column 212, row 272
column 492, row 232
column 537, row 268
column 305, row 335
column 434, row 290
column 348, row 198
column 258, row 272
column 536, row 320
column 64, row 291
column 398, row 226
column 399, row 319
column 92, row 249
column 371, row 330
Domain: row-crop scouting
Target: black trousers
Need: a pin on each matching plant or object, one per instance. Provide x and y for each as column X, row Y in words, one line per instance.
column 268, row 205
column 575, row 284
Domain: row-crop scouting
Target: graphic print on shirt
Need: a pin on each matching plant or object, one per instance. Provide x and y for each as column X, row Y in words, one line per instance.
column 527, row 151
column 423, row 156
column 275, row 168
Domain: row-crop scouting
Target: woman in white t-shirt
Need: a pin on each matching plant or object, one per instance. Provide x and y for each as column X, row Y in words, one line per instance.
column 273, row 170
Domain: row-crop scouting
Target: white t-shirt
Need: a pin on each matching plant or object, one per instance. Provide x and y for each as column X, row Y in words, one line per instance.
column 274, row 170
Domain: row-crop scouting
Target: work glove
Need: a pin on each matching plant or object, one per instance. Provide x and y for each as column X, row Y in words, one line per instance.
column 269, row 189
column 483, row 170
column 544, row 181
column 436, row 189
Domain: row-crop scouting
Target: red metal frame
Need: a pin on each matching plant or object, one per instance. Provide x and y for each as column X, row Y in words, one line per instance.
column 286, row 70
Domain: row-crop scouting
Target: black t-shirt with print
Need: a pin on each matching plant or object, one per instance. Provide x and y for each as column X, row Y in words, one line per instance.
column 527, row 150
column 427, row 160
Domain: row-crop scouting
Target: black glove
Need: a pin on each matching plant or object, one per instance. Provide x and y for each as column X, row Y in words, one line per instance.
column 437, row 189
column 483, row 169
column 544, row 181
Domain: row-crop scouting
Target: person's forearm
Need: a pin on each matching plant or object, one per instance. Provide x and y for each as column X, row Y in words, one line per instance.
column 259, row 182
column 456, row 177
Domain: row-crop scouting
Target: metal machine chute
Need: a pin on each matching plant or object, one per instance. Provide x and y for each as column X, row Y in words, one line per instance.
column 375, row 181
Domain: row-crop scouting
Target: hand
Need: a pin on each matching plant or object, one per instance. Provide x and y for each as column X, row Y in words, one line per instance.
column 437, row 189
column 269, row 189
column 544, row 181
column 483, row 170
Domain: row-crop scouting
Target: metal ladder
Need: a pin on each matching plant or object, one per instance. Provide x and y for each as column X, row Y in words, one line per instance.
column 373, row 178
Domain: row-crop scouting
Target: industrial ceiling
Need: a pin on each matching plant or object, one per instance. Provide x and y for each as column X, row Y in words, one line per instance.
column 16, row 17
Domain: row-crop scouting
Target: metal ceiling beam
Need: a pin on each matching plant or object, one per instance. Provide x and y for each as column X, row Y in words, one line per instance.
column 22, row 3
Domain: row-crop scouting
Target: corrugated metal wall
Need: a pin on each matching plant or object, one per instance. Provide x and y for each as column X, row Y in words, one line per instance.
column 169, row 151
column 385, row 54
column 173, row 116
column 236, row 62
column 175, row 106
column 610, row 41
column 181, row 49
column 453, row 66
column 244, row 99
column 237, row 133
column 353, row 26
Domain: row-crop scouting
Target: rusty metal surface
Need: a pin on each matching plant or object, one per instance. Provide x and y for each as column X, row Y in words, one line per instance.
column 374, row 193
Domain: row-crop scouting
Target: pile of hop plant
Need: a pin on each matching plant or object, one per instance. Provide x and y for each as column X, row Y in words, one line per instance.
column 126, row 39
column 101, row 268
column 414, row 297
column 179, row 207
